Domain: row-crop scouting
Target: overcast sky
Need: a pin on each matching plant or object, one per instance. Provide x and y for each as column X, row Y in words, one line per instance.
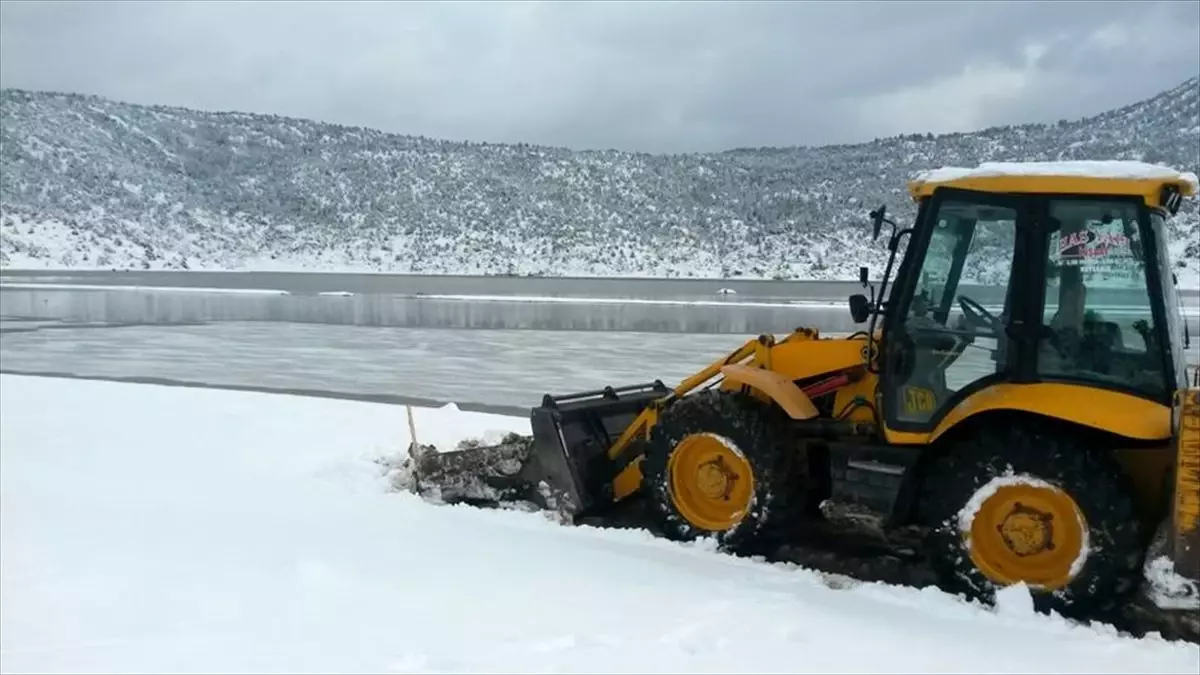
column 651, row 76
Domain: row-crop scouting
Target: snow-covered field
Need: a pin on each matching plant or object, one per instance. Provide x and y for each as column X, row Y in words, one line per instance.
column 150, row 529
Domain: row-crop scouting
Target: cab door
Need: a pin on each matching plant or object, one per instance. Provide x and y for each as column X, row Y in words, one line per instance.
column 947, row 333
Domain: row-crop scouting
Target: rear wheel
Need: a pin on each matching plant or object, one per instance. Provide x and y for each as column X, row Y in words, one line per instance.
column 1023, row 504
column 718, row 464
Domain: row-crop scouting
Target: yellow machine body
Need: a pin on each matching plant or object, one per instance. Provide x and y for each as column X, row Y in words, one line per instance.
column 842, row 425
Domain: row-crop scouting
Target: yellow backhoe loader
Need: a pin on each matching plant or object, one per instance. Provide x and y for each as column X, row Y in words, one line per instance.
column 1017, row 410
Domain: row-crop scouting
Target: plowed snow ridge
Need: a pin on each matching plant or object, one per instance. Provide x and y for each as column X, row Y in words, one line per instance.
column 154, row 529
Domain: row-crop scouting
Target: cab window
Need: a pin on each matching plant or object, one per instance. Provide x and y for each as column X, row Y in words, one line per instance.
column 1097, row 321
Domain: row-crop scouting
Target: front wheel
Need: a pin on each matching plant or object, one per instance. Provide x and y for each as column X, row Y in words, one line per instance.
column 718, row 465
column 1027, row 505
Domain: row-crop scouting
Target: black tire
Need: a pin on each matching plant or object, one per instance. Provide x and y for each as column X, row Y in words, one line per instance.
column 760, row 432
column 1063, row 457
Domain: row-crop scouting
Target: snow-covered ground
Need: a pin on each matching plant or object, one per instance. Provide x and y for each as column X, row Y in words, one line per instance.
column 155, row 529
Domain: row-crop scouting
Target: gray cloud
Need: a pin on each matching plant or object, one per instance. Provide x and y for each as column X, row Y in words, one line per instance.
column 651, row 76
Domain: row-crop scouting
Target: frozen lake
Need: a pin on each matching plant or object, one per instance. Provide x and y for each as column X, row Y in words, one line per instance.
column 501, row 370
column 490, row 367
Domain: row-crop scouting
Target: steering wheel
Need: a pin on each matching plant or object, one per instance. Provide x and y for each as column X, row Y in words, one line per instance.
column 976, row 314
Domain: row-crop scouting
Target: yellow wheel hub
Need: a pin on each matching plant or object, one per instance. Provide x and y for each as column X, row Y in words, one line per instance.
column 1031, row 533
column 711, row 483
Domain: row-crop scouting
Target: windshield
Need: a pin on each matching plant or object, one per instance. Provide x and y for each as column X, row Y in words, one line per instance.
column 955, row 319
column 970, row 254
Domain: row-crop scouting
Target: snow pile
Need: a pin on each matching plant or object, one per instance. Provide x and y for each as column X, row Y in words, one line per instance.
column 448, row 435
column 1015, row 601
column 449, row 428
column 1170, row 588
column 167, row 530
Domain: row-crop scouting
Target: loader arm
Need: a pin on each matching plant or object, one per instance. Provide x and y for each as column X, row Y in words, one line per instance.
column 750, row 365
column 640, row 427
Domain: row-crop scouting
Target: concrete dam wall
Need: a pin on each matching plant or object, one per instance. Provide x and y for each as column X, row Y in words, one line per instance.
column 166, row 306
column 177, row 306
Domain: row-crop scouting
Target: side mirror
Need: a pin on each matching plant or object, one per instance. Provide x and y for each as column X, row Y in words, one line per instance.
column 1170, row 198
column 863, row 277
column 860, row 308
column 877, row 218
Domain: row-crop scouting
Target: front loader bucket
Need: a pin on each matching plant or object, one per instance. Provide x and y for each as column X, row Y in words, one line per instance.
column 563, row 467
column 572, row 435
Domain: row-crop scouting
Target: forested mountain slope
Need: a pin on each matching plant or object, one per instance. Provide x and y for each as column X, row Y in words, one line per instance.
column 90, row 182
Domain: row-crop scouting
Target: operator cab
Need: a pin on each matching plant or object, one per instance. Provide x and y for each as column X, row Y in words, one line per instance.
column 1032, row 278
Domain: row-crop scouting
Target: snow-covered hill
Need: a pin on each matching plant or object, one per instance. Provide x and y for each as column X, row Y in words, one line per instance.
column 88, row 182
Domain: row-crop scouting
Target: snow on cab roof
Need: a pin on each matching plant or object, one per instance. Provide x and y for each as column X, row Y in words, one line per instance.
column 1126, row 170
